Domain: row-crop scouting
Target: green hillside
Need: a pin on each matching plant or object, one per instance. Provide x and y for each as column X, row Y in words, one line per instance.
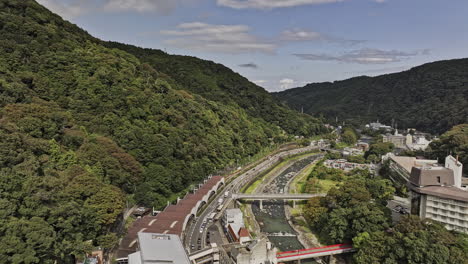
column 85, row 128
column 432, row 97
column 218, row 83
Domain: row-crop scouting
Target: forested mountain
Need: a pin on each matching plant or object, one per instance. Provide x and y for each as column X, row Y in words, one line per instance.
column 85, row 127
column 218, row 83
column 432, row 97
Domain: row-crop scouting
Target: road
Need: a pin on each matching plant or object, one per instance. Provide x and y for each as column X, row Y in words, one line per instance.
column 194, row 231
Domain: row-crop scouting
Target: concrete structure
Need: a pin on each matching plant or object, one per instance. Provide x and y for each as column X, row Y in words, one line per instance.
column 364, row 146
column 436, row 193
column 173, row 219
column 343, row 164
column 257, row 251
column 159, row 249
column 352, row 152
column 209, row 255
column 400, row 141
column 321, row 143
column 417, row 142
column 244, row 236
column 377, row 126
column 402, row 165
column 233, row 221
column 276, row 196
column 457, row 168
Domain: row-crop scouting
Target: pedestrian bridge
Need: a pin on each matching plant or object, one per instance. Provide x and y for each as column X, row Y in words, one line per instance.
column 206, row 255
column 314, row 252
column 276, row 196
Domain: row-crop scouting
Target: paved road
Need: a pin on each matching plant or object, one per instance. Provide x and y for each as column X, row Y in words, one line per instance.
column 194, row 231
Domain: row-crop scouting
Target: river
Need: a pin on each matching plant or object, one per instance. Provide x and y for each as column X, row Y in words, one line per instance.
column 272, row 219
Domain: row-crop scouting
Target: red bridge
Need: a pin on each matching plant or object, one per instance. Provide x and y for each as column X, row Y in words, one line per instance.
column 314, row 252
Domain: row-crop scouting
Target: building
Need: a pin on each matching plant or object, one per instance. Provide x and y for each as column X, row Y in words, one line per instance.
column 321, row 143
column 343, row 164
column 417, row 142
column 400, row 141
column 364, row 146
column 352, row 152
column 159, row 248
column 259, row 251
column 244, row 236
column 437, row 193
column 378, row 126
column 233, row 221
column 402, row 165
column 172, row 220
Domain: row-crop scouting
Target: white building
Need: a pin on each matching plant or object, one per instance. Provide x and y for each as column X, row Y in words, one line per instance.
column 436, row 193
column 343, row 164
column 258, row 251
column 233, row 221
column 159, row 248
column 377, row 126
column 417, row 142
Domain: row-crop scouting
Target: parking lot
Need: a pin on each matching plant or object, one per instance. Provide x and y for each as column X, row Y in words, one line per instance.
column 398, row 209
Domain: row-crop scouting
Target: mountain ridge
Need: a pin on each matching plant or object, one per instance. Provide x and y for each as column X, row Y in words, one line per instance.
column 431, row 97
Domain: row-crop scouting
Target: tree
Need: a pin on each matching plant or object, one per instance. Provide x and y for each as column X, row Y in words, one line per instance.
column 349, row 136
column 379, row 149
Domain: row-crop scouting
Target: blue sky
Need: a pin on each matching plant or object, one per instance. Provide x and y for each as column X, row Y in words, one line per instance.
column 282, row 44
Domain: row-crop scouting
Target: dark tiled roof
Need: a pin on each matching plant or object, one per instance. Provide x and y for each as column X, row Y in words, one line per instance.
column 169, row 221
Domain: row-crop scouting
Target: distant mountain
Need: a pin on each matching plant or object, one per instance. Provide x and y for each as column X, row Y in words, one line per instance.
column 87, row 129
column 432, row 97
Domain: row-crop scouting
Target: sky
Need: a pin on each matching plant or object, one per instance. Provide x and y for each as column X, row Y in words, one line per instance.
column 281, row 44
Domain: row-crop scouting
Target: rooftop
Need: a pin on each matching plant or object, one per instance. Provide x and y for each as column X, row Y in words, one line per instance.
column 432, row 175
column 169, row 221
column 409, row 162
column 159, row 248
column 453, row 193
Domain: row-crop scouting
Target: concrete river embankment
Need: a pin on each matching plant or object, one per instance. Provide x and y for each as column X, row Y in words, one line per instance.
column 272, row 219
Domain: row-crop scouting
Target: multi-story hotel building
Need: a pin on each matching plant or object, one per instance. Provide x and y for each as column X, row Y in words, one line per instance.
column 437, row 193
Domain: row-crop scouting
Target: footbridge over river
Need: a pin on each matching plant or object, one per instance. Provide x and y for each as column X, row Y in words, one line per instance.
column 276, row 196
column 309, row 253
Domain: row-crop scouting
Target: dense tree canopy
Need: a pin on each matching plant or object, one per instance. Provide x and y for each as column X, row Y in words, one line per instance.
column 356, row 206
column 412, row 241
column 455, row 142
column 83, row 127
column 355, row 212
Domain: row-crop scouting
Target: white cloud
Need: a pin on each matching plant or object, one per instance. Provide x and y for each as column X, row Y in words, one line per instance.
column 73, row 8
column 217, row 38
column 270, row 4
column 300, row 35
column 67, row 9
column 286, row 83
column 363, row 56
column 260, row 82
column 142, row 6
